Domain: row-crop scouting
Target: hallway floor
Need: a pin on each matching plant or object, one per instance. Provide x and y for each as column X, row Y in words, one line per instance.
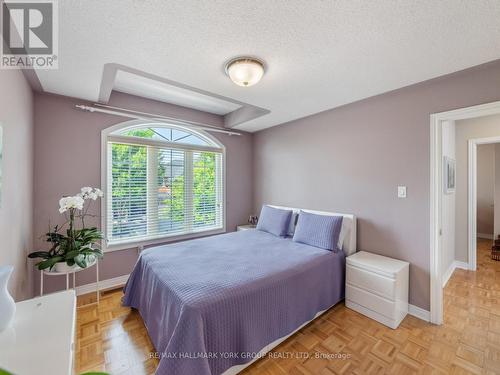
column 472, row 315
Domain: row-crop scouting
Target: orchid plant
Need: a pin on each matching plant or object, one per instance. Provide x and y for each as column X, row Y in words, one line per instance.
column 69, row 244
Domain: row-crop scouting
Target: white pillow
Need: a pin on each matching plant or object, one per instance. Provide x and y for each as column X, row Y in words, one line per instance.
column 344, row 230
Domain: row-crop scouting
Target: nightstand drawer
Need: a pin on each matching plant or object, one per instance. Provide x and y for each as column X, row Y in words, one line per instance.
column 371, row 301
column 372, row 282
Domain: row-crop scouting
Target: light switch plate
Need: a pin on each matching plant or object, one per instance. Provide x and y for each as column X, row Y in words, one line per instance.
column 401, row 191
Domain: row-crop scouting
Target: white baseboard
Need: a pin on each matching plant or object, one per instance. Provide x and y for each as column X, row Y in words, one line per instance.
column 103, row 285
column 454, row 265
column 419, row 312
column 446, row 276
column 486, row 236
column 461, row 265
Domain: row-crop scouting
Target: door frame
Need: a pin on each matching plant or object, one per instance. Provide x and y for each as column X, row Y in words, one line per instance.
column 436, row 191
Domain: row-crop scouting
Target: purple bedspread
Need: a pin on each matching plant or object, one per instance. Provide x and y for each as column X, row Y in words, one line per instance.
column 212, row 303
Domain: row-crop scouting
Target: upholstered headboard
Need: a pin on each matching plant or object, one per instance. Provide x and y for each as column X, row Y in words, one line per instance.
column 347, row 233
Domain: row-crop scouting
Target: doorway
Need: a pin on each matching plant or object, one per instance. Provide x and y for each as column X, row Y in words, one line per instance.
column 439, row 203
column 474, row 193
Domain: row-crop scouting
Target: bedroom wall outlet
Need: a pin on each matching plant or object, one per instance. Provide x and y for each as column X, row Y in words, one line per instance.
column 401, row 191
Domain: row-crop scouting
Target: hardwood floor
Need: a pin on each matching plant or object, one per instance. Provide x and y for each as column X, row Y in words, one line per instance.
column 113, row 338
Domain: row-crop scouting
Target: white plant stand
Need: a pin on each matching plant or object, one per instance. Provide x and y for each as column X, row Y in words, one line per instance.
column 73, row 272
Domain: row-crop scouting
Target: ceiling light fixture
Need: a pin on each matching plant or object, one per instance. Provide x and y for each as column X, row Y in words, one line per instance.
column 245, row 71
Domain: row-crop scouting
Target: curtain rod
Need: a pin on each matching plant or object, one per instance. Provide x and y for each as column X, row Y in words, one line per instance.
column 123, row 112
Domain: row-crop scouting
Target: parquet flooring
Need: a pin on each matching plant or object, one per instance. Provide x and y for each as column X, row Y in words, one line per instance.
column 113, row 338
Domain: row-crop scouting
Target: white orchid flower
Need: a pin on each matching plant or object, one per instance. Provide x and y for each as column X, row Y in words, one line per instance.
column 88, row 192
column 67, row 203
column 86, row 189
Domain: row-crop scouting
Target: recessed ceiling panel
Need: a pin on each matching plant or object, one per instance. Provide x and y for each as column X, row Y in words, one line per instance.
column 138, row 85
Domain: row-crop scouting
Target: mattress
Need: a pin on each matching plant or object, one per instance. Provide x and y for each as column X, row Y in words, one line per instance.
column 213, row 303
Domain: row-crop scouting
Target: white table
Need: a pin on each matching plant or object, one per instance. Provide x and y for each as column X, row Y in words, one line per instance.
column 72, row 271
column 41, row 337
column 245, row 227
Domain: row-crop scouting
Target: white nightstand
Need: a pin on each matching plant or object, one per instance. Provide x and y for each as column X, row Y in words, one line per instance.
column 245, row 227
column 377, row 286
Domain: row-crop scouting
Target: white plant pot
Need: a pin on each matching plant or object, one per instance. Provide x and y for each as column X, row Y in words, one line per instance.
column 7, row 304
column 64, row 268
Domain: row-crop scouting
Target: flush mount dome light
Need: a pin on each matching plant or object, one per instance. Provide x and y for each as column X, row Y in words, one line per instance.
column 245, row 71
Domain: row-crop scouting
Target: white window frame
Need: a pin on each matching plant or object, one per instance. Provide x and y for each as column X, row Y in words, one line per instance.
column 108, row 135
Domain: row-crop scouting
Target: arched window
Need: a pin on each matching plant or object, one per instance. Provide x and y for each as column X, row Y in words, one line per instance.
column 162, row 180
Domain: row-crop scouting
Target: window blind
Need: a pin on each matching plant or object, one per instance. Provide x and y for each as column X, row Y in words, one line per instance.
column 156, row 192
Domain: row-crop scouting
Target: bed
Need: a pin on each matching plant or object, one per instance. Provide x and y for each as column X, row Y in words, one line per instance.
column 214, row 305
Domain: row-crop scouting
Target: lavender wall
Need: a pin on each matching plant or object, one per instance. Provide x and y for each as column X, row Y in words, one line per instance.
column 67, row 157
column 16, row 207
column 350, row 159
column 485, row 189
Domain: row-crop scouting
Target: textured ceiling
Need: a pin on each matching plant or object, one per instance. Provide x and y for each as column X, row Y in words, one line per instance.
column 319, row 54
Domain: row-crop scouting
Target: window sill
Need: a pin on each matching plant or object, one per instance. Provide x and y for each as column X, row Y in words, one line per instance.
column 127, row 245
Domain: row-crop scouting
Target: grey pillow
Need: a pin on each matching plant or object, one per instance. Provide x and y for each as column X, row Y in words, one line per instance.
column 318, row 230
column 274, row 221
